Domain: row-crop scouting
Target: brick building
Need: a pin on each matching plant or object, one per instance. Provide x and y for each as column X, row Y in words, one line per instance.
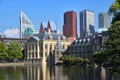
column 70, row 24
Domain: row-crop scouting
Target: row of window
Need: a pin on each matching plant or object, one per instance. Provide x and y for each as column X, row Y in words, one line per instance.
column 32, row 55
column 84, row 48
column 46, row 46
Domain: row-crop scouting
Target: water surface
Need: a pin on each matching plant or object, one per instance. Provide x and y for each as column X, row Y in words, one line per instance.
column 43, row 72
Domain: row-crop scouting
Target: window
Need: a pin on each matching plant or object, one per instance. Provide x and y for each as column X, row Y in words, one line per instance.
column 63, row 46
column 46, row 54
column 41, row 54
column 36, row 55
column 45, row 46
column 50, row 47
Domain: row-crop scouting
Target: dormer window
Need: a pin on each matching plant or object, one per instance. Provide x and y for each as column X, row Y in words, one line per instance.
column 63, row 38
column 84, row 40
column 76, row 41
column 88, row 40
column 50, row 37
column 80, row 40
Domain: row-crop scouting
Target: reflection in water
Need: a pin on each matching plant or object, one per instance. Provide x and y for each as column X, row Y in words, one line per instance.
column 44, row 72
column 11, row 73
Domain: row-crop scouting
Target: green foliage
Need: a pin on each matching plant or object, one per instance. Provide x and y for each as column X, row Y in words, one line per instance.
column 78, row 60
column 3, row 51
column 111, row 54
column 14, row 51
column 114, row 7
column 86, row 60
column 113, row 44
column 67, row 60
column 100, row 57
column 114, row 10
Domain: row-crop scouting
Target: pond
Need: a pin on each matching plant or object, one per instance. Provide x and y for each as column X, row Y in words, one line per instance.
column 43, row 72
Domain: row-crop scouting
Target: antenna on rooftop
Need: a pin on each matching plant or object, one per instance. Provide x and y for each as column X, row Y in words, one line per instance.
column 56, row 25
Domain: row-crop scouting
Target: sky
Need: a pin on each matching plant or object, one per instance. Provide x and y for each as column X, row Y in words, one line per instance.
column 43, row 10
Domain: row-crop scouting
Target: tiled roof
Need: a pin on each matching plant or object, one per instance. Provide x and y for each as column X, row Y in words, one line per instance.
column 49, row 36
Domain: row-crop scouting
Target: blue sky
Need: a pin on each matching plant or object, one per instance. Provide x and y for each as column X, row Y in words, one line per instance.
column 43, row 10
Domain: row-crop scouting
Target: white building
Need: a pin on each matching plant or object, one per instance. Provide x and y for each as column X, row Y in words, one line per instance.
column 40, row 46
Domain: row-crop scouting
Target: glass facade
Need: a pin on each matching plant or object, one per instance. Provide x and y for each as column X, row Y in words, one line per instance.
column 104, row 20
column 86, row 23
column 26, row 26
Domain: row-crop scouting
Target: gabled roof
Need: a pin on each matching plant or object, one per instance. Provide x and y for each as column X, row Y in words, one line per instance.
column 33, row 39
column 48, row 36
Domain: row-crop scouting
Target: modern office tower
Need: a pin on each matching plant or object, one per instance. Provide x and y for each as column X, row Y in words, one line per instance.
column 26, row 26
column 70, row 24
column 104, row 20
column 86, row 23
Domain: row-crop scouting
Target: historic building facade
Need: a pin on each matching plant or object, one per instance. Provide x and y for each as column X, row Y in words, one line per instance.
column 85, row 47
column 8, row 40
column 40, row 46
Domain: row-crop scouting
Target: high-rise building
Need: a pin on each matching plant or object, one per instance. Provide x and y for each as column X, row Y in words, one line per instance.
column 26, row 26
column 86, row 23
column 104, row 20
column 70, row 24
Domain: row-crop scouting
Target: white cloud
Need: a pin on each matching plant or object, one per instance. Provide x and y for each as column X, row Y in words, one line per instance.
column 12, row 33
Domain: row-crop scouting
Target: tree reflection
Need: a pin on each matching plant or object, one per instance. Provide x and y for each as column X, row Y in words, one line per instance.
column 11, row 73
column 44, row 72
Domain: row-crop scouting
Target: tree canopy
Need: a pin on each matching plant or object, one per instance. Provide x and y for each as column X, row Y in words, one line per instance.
column 15, row 51
column 3, row 51
column 112, row 46
column 115, row 11
column 68, row 60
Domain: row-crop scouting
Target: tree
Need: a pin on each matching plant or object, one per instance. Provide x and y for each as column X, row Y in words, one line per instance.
column 3, row 51
column 113, row 44
column 68, row 60
column 114, row 10
column 86, row 60
column 15, row 51
column 111, row 54
column 78, row 60
column 112, row 47
column 100, row 57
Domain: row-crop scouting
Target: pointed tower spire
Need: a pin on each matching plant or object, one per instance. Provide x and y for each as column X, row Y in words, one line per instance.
column 49, row 27
column 41, row 28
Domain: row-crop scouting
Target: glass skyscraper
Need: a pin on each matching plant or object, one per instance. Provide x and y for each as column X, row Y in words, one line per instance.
column 26, row 26
column 104, row 20
column 86, row 23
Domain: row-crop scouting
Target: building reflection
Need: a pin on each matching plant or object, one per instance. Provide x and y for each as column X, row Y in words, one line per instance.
column 38, row 72
column 44, row 72
column 35, row 72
